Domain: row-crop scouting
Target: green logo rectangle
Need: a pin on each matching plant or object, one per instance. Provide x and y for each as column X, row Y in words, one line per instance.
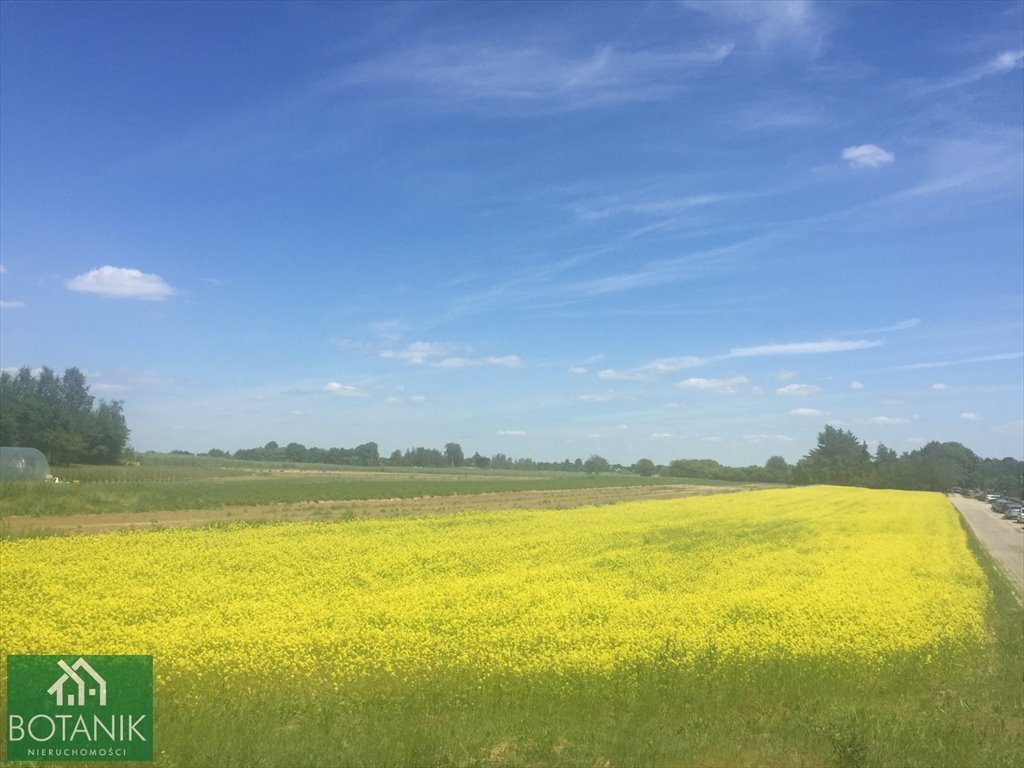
column 79, row 708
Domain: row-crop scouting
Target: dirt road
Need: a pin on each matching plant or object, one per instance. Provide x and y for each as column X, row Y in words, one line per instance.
column 1004, row 539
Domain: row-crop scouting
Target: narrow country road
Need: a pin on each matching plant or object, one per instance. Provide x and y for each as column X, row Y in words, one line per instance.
column 1004, row 539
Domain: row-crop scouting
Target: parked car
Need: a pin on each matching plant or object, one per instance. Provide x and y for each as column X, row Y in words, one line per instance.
column 1012, row 513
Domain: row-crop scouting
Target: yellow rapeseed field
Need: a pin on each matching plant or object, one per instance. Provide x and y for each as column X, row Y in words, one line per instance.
column 832, row 575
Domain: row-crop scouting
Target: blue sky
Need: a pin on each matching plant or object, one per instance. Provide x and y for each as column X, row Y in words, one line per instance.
column 666, row 230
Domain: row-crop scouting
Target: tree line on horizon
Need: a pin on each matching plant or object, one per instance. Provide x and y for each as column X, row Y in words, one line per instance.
column 57, row 415
column 838, row 458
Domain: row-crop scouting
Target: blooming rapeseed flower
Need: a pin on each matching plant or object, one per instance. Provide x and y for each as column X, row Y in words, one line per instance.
column 824, row 574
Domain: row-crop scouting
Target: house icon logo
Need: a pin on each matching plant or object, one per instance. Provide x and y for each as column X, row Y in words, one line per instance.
column 79, row 684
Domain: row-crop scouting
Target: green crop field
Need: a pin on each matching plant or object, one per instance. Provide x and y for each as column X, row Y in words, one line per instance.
column 205, row 484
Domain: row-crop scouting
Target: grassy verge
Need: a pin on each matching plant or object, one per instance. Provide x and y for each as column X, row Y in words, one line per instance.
column 801, row 713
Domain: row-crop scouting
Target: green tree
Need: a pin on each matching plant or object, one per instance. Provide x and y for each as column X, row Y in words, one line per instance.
column 453, row 454
column 596, row 464
column 776, row 470
column 109, row 433
column 56, row 415
column 644, row 467
column 838, row 459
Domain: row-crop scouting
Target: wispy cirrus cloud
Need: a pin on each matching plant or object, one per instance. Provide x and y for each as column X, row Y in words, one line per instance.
column 651, row 370
column 500, row 361
column 798, row 390
column 420, row 352
column 804, row 348
column 464, row 75
column 762, row 438
column 963, row 361
column 602, row 208
column 728, row 386
column 443, row 355
column 661, row 366
column 882, row 421
column 344, row 390
column 808, row 412
column 1001, row 63
column 789, row 24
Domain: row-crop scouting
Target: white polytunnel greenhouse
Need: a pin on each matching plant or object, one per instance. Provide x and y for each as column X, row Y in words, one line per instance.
column 22, row 464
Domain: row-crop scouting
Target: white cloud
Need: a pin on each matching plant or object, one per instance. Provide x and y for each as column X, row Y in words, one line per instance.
column 798, row 390
column 660, row 435
column 887, row 420
column 968, row 416
column 856, row 385
column 939, row 387
column 3, row 269
column 510, row 433
column 344, row 390
column 578, row 370
column 108, row 389
column 122, row 283
column 867, row 156
column 804, row 348
column 785, row 375
column 427, row 352
column 505, row 361
column 652, row 370
column 721, row 386
column 594, row 398
column 419, row 352
column 11, row 304
column 458, row 362
column 807, row 412
column 1006, row 62
column 501, row 361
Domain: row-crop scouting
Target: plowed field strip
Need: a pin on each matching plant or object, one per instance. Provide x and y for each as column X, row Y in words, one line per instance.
column 345, row 509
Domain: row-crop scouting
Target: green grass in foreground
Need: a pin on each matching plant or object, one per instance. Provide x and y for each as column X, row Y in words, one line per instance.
column 784, row 715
